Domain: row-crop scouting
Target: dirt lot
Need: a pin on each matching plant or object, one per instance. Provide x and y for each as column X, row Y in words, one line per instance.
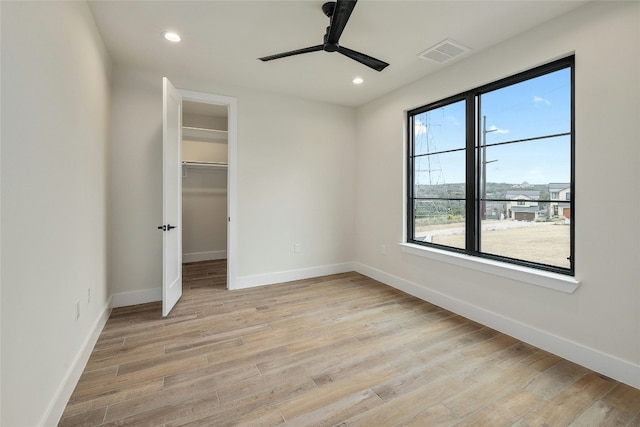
column 546, row 243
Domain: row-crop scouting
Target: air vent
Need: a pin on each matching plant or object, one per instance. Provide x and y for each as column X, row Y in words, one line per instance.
column 444, row 51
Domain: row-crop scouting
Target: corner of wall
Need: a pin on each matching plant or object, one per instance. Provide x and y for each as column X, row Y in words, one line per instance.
column 59, row 402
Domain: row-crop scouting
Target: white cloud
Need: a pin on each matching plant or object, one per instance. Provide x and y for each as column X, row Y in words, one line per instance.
column 453, row 121
column 419, row 128
column 495, row 129
column 541, row 100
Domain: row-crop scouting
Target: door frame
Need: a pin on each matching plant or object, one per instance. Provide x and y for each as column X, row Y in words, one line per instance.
column 232, row 175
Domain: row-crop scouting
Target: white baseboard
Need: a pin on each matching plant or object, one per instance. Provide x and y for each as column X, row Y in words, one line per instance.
column 204, row 256
column 291, row 275
column 59, row 403
column 611, row 366
column 124, row 299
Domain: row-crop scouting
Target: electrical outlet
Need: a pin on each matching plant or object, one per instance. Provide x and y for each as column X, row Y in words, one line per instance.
column 77, row 310
column 383, row 249
column 297, row 248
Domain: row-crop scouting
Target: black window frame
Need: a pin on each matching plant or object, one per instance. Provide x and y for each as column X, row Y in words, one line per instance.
column 472, row 169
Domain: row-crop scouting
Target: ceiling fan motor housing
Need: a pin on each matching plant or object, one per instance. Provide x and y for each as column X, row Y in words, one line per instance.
column 328, row 8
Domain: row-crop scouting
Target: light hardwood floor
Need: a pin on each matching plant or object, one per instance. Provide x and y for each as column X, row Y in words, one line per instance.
column 340, row 350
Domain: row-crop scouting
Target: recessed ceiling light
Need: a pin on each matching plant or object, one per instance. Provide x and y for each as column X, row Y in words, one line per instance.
column 358, row 80
column 171, row 36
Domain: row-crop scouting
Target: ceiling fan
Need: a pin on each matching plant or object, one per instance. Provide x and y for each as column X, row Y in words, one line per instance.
column 338, row 13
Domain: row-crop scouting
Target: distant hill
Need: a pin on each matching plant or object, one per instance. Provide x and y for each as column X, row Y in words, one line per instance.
column 495, row 190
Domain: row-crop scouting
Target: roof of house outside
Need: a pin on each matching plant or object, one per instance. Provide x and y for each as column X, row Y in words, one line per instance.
column 531, row 195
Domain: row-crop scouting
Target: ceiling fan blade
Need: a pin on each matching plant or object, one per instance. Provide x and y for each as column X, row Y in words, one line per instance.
column 339, row 19
column 367, row 60
column 292, row 53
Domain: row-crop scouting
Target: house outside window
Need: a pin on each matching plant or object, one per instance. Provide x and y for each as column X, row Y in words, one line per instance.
column 560, row 192
column 484, row 167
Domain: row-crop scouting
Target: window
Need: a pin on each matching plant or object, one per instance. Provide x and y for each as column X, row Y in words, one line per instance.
column 480, row 164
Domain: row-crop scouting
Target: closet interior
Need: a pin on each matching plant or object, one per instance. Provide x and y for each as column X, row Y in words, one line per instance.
column 204, row 181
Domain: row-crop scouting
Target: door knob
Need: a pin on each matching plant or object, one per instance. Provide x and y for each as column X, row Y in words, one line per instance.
column 162, row 227
column 170, row 227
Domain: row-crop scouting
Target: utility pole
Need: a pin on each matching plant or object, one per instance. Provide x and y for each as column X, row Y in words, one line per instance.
column 483, row 165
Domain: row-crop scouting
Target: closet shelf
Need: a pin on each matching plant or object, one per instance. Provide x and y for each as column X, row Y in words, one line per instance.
column 202, row 134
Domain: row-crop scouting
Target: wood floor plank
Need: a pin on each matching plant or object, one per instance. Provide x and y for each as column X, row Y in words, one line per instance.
column 88, row 402
column 625, row 398
column 571, row 401
column 253, row 401
column 481, row 394
column 504, row 411
column 338, row 410
column 341, row 350
column 212, row 376
column 437, row 415
column 408, row 405
column 414, row 379
column 88, row 418
column 334, row 391
column 601, row 414
column 555, row 379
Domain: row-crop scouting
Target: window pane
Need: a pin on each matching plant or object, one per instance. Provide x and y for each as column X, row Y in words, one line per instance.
column 538, row 236
column 542, row 161
column 441, row 222
column 440, row 175
column 440, row 129
column 536, row 107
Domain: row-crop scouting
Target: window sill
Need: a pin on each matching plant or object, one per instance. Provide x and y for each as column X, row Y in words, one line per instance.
column 546, row 279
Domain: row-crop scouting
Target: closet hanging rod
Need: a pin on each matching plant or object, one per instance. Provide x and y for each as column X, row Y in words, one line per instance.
column 202, row 163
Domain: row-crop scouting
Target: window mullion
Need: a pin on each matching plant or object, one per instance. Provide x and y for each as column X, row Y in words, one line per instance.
column 471, row 182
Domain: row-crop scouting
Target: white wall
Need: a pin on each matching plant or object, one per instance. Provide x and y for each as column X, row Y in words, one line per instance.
column 55, row 114
column 599, row 324
column 135, row 182
column 296, row 182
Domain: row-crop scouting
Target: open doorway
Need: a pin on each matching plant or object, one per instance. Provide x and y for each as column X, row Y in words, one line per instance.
column 204, row 181
column 208, row 171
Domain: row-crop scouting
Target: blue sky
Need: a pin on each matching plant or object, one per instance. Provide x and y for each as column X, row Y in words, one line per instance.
column 536, row 107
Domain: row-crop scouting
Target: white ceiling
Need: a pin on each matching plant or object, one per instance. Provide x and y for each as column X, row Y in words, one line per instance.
column 221, row 40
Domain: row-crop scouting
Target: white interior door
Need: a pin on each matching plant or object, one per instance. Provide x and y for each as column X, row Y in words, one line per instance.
column 171, row 197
